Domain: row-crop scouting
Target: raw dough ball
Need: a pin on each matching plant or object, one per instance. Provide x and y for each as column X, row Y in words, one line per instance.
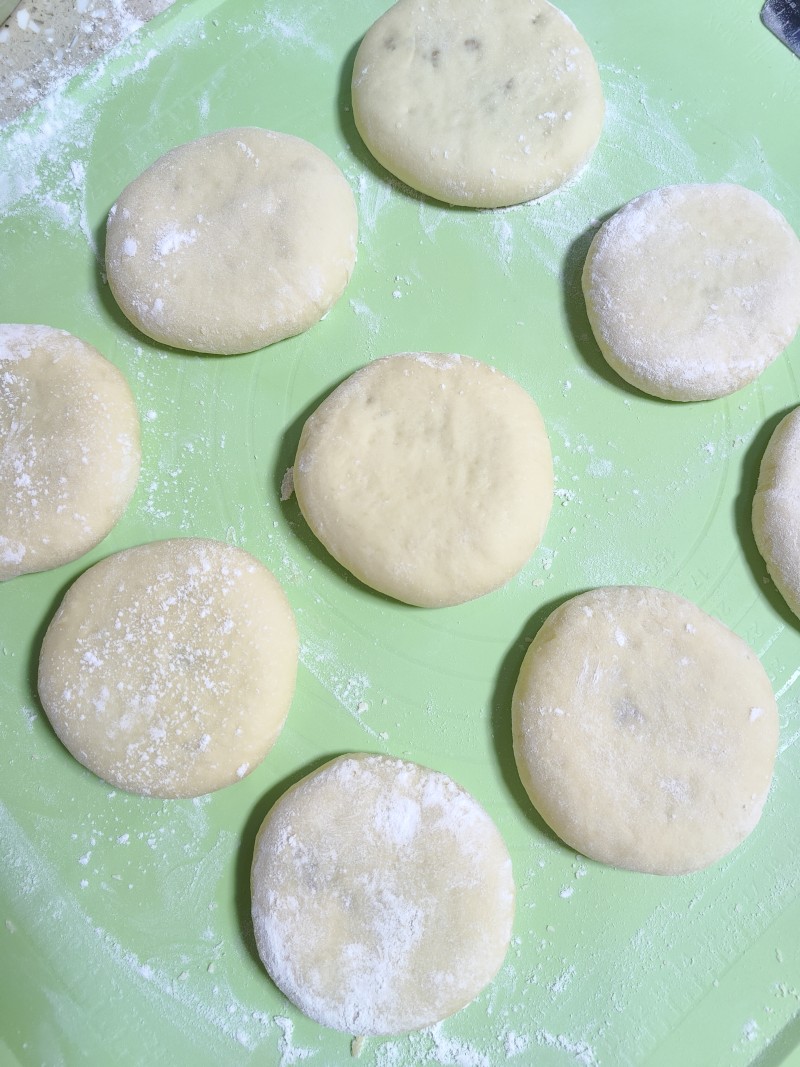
column 70, row 457
column 383, row 897
column 692, row 290
column 428, row 476
column 776, row 509
column 232, row 242
column 478, row 102
column 645, row 731
column 168, row 669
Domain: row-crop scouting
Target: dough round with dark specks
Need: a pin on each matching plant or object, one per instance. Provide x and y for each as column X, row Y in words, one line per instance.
column 168, row 669
column 645, row 731
column 482, row 103
column 382, row 895
column 232, row 242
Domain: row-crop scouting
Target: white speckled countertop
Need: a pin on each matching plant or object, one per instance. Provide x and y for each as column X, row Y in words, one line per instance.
column 45, row 42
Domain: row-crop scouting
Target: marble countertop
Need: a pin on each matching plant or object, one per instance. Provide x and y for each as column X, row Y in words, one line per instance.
column 45, row 42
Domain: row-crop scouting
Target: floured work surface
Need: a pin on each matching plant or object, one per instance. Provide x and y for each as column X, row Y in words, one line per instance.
column 125, row 920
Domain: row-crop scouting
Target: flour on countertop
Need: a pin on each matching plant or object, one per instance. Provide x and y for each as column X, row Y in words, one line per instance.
column 45, row 45
column 346, row 685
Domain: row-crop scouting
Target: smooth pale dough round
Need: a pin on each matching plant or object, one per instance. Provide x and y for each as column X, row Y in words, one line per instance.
column 692, row 290
column 168, row 669
column 776, row 509
column 383, row 896
column 645, row 731
column 70, row 454
column 428, row 476
column 483, row 103
column 232, row 242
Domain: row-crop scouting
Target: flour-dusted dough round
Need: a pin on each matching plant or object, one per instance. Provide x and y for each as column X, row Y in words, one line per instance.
column 232, row 242
column 692, row 290
column 428, row 476
column 478, row 102
column 776, row 509
column 645, row 731
column 169, row 669
column 383, row 896
column 69, row 452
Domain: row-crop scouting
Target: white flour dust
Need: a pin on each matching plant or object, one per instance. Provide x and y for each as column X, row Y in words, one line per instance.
column 45, row 166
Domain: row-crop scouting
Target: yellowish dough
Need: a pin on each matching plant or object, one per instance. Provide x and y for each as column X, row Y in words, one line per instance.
column 69, row 448
column 692, row 290
column 428, row 476
column 776, row 508
column 645, row 731
column 483, row 103
column 169, row 668
column 232, row 242
column 383, row 897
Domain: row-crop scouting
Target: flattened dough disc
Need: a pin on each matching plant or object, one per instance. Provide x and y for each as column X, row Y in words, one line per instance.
column 70, row 454
column 232, row 242
column 692, row 290
column 776, row 508
column 169, row 668
column 383, row 897
column 645, row 731
column 428, row 476
column 483, row 103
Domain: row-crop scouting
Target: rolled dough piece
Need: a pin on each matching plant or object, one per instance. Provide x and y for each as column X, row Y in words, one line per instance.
column 776, row 509
column 70, row 456
column 383, row 896
column 428, row 476
column 645, row 731
column 168, row 669
column 483, row 103
column 232, row 242
column 692, row 290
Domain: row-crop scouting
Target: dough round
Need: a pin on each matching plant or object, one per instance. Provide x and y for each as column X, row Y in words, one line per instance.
column 427, row 476
column 645, row 731
column 168, row 669
column 70, row 456
column 776, row 509
column 692, row 290
column 232, row 242
column 478, row 102
column 383, row 897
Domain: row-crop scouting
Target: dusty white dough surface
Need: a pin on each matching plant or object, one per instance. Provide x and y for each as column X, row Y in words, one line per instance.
column 692, row 290
column 645, row 731
column 383, row 896
column 168, row 669
column 776, row 508
column 428, row 476
column 483, row 103
column 232, row 242
column 69, row 448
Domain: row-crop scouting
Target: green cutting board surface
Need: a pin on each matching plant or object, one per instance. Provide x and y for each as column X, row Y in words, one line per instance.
column 125, row 935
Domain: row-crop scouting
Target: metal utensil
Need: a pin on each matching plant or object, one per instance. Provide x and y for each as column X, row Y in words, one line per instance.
column 782, row 17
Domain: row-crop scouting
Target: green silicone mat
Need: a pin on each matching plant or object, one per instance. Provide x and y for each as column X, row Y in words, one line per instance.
column 125, row 935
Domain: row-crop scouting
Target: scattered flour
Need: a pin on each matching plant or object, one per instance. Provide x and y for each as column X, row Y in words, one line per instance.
column 347, row 686
column 45, row 167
